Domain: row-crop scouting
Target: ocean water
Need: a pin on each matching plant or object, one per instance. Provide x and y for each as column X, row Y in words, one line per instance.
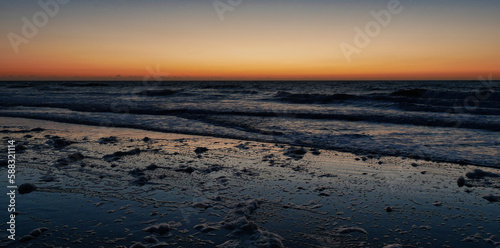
column 443, row 121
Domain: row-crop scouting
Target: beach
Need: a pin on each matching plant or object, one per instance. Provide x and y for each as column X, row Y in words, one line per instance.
column 118, row 187
column 250, row 124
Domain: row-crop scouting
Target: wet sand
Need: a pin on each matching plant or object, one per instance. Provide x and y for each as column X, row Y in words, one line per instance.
column 117, row 187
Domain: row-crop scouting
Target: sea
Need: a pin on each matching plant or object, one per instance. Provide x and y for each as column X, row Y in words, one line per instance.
column 441, row 121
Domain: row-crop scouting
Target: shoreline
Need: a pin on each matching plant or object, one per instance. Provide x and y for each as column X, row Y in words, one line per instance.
column 264, row 139
column 221, row 192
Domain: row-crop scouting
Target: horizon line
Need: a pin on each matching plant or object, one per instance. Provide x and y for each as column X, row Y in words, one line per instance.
column 247, row 80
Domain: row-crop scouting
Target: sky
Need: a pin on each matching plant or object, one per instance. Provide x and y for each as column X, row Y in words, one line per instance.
column 249, row 39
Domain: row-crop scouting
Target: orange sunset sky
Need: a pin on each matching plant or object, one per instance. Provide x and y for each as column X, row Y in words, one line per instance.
column 272, row 39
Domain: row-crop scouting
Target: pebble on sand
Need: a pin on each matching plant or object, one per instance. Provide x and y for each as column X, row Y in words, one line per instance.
column 26, row 238
column 108, row 140
column 152, row 167
column 26, row 188
column 492, row 198
column 315, row 152
column 295, row 153
column 461, row 181
column 200, row 150
column 120, row 154
column 187, row 170
column 77, row 156
column 58, row 142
